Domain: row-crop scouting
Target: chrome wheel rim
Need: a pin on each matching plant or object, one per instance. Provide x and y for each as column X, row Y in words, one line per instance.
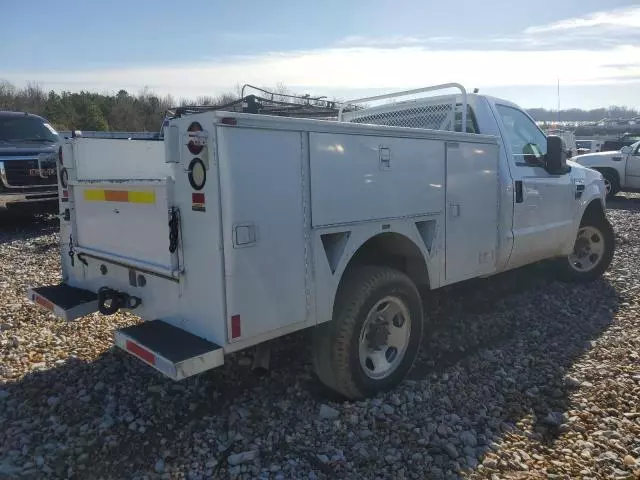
column 588, row 249
column 384, row 337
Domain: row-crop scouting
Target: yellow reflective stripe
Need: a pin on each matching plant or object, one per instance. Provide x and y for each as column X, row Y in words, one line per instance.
column 133, row 196
column 142, row 196
column 94, row 195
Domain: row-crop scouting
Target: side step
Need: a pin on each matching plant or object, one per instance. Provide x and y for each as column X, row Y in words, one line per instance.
column 65, row 301
column 170, row 350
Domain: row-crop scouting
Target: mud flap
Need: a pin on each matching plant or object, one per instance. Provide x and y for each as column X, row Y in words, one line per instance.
column 65, row 301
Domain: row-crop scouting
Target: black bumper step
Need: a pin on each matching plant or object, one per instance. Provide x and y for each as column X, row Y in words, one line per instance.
column 65, row 301
column 169, row 349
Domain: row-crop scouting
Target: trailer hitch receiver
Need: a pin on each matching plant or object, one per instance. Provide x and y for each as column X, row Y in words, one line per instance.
column 110, row 301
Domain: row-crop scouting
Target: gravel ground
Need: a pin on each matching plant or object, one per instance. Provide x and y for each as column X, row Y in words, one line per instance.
column 523, row 377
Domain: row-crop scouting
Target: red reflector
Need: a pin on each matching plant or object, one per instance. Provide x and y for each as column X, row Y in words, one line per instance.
column 235, row 326
column 44, row 302
column 143, row 353
column 65, row 194
column 229, row 121
column 197, row 198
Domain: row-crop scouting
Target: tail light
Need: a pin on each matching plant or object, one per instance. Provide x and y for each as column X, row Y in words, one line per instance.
column 194, row 148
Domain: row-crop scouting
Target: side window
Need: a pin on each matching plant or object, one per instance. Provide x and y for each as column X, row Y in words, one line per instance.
column 472, row 124
column 528, row 143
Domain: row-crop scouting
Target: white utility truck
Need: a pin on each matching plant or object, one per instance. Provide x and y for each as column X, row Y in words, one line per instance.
column 242, row 227
column 621, row 169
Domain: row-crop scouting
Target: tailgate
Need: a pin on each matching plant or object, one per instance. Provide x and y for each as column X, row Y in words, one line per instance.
column 125, row 221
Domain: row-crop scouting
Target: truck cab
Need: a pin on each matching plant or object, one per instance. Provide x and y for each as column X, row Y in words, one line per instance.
column 539, row 205
column 620, row 169
column 29, row 151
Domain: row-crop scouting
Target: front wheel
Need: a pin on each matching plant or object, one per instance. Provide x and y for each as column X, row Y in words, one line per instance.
column 592, row 252
column 374, row 336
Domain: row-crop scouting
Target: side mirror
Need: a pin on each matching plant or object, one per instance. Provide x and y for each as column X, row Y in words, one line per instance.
column 556, row 158
column 625, row 150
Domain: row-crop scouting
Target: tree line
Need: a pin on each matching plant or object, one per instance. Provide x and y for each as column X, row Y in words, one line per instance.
column 144, row 111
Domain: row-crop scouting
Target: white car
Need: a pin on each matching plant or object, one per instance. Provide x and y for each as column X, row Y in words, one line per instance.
column 620, row 169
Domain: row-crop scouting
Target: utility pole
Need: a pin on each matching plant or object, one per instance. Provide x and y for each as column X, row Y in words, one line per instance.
column 558, row 102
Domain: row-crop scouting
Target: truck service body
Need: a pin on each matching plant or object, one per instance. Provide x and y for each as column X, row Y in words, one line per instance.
column 239, row 228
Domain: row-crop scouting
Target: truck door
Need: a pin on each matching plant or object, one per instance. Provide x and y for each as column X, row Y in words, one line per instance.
column 632, row 174
column 544, row 203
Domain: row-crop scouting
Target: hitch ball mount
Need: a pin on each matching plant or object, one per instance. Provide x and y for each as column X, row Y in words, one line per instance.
column 110, row 301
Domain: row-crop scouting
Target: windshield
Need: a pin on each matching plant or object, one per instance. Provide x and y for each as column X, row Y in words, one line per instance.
column 24, row 128
column 583, row 143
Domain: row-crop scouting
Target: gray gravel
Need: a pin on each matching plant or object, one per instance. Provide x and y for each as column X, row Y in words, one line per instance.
column 522, row 377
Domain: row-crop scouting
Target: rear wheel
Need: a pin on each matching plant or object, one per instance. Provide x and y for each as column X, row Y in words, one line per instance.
column 592, row 252
column 374, row 336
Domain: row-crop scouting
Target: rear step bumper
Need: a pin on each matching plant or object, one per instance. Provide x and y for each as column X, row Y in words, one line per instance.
column 170, row 350
column 65, row 301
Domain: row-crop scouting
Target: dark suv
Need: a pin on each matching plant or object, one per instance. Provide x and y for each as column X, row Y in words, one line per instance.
column 29, row 149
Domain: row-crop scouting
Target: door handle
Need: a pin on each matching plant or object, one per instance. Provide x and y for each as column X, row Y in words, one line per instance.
column 519, row 194
column 454, row 209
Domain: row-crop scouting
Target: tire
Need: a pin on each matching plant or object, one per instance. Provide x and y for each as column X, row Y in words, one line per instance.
column 385, row 303
column 612, row 183
column 580, row 267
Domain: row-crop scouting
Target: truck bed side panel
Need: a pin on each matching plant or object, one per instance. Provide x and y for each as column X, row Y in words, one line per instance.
column 472, row 210
column 357, row 178
column 264, row 225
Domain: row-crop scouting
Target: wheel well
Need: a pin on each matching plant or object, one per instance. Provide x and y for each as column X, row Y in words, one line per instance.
column 395, row 251
column 609, row 170
column 594, row 210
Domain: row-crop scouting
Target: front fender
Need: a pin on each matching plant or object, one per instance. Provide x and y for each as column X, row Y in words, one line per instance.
column 594, row 191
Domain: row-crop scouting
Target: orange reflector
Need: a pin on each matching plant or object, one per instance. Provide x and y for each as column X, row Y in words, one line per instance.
column 235, row 326
column 116, row 195
column 143, row 353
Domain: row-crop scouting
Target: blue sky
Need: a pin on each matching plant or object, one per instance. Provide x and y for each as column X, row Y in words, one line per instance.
column 340, row 48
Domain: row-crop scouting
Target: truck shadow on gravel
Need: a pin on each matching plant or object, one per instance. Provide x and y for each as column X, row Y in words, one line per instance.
column 621, row 202
column 498, row 354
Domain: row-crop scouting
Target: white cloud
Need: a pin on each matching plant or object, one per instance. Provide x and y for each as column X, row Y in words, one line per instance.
column 621, row 18
column 361, row 66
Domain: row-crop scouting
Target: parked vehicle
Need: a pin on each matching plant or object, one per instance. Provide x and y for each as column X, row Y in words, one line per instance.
column 621, row 169
column 29, row 149
column 588, row 146
column 625, row 140
column 240, row 228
